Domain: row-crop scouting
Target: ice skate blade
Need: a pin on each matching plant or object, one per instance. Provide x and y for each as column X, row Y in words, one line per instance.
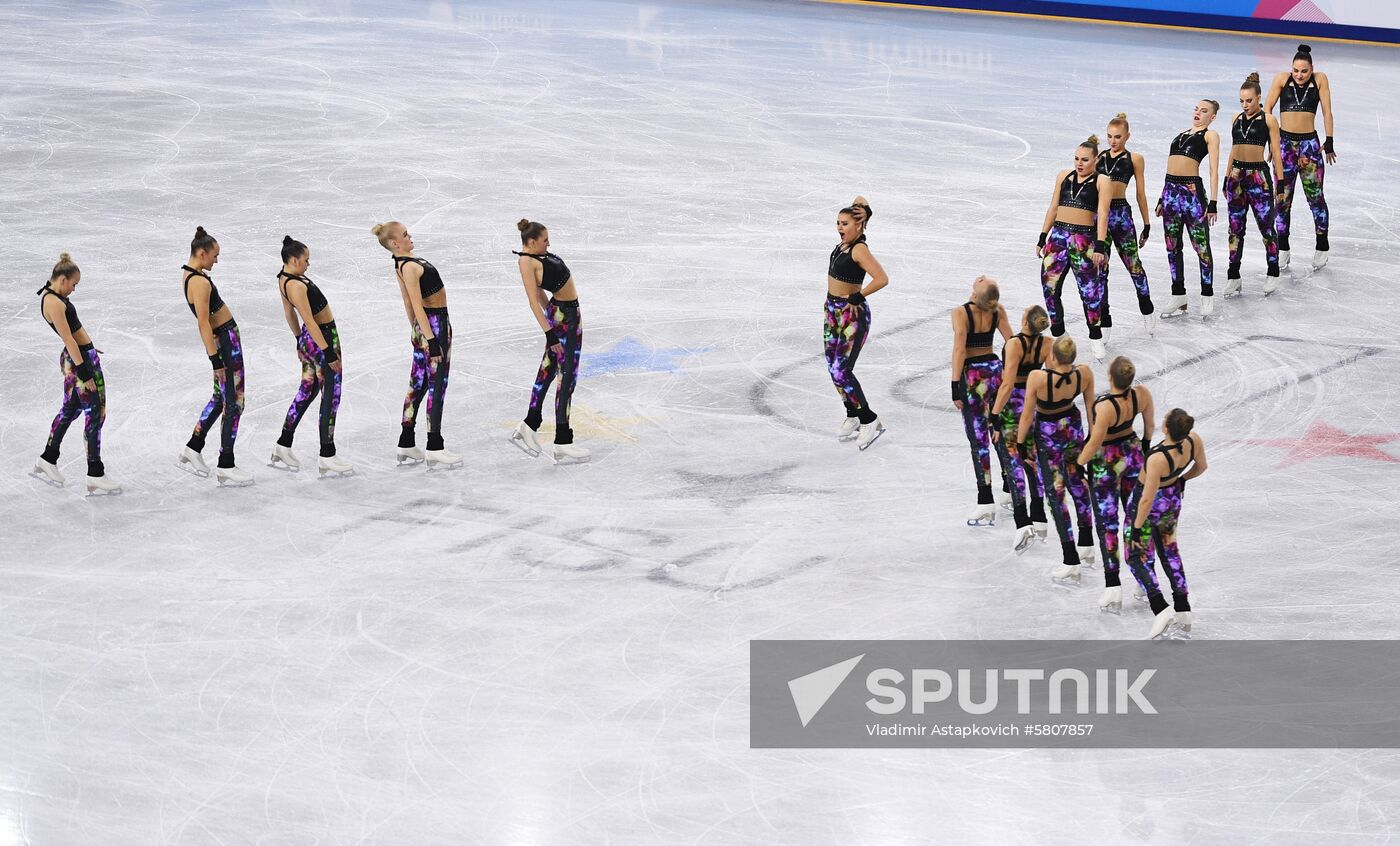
column 232, row 483
column 1067, row 581
column 1116, row 609
column 46, row 480
column 193, row 470
column 561, row 460
column 868, row 444
column 1171, row 315
column 982, row 522
column 443, row 466
column 335, row 474
column 407, row 461
column 1175, row 632
column 520, row 442
column 1023, row 544
column 278, row 464
column 93, row 491
column 1235, row 294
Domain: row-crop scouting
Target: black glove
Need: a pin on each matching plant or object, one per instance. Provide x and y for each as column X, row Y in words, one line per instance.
column 1141, row 534
column 434, row 348
column 960, row 391
column 1043, row 236
column 1210, row 207
column 84, row 371
column 1146, row 228
column 1101, row 247
column 856, row 299
column 552, row 337
column 216, row 361
column 1327, row 147
column 332, row 356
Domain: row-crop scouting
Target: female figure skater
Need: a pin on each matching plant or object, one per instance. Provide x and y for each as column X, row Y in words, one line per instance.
column 425, row 303
column 558, row 316
column 1183, row 206
column 1122, row 167
column 1113, row 460
column 1023, row 355
column 1155, row 508
column 848, row 321
column 1298, row 93
column 1059, row 430
column 309, row 316
column 979, row 380
column 1072, row 238
column 83, row 388
column 225, row 350
column 1247, row 184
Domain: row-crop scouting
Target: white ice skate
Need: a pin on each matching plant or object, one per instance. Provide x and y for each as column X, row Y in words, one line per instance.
column 1107, row 333
column 1022, row 541
column 233, row 477
column 524, row 437
column 1042, row 530
column 47, row 473
column 1138, row 593
column 1003, row 499
column 850, row 428
column 1149, row 322
column 1233, row 288
column 283, row 456
column 1270, row 284
column 1086, row 556
column 570, row 454
column 1175, row 307
column 102, row 486
column 442, row 459
column 1207, row 306
column 1111, row 602
column 193, row 462
column 869, row 433
column 1284, row 257
column 1066, row 574
column 1319, row 259
column 985, row 514
column 1099, row 348
column 334, row 465
column 1160, row 623
column 409, row 455
column 1180, row 629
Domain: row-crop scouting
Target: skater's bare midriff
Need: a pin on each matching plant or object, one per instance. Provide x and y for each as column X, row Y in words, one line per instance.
column 836, row 288
column 1183, row 166
column 1075, row 217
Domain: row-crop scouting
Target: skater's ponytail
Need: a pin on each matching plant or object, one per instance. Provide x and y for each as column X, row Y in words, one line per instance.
column 1251, row 83
column 985, row 294
column 1064, row 350
column 65, row 268
column 291, row 249
column 1037, row 319
column 385, row 232
column 529, row 229
column 1179, row 424
column 1120, row 119
column 1121, row 372
column 1304, row 53
column 1091, row 143
column 201, row 242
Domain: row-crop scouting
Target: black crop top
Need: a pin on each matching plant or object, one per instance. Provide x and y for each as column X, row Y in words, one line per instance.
column 314, row 297
column 1296, row 98
column 216, row 302
column 556, row 272
column 976, row 340
column 1051, row 408
column 1124, row 429
column 1250, row 130
column 1117, row 168
column 1174, row 469
column 429, row 283
column 844, row 268
column 1030, row 357
column 1192, row 144
column 1085, row 195
column 70, row 314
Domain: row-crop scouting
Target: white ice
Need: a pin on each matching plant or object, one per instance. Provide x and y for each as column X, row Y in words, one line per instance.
column 520, row 653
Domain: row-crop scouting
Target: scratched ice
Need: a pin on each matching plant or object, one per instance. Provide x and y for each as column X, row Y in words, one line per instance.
column 519, row 653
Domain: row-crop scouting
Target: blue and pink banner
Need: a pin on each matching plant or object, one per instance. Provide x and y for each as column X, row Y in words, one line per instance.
column 1362, row 20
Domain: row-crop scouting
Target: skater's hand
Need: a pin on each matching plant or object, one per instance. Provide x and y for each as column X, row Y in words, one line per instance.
column 335, row 365
column 1098, row 258
column 996, row 436
column 1159, row 208
column 434, row 348
column 90, row 386
column 1210, row 213
column 557, row 348
column 1142, row 239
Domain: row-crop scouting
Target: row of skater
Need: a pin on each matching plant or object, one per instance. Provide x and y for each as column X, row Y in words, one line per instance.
column 550, row 290
column 1090, row 215
column 1091, row 468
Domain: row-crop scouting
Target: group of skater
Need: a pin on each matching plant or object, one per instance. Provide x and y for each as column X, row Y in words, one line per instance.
column 549, row 287
column 1024, row 403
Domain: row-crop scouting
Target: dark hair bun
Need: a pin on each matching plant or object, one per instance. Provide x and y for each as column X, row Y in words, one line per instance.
column 286, row 239
column 200, row 233
column 1303, row 48
column 523, row 224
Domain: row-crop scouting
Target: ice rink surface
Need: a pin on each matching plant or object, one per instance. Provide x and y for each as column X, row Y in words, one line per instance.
column 519, row 653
